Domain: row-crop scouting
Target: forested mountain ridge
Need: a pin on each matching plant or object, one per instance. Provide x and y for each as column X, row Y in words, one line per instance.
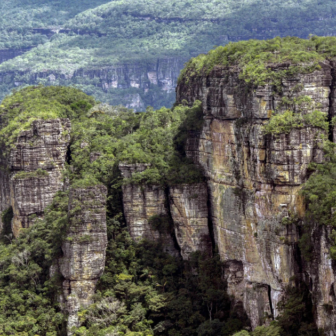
column 131, row 52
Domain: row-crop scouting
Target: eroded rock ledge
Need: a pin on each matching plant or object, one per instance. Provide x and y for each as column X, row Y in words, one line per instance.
column 31, row 175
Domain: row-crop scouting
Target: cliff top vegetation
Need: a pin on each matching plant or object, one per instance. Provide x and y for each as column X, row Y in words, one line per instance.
column 154, row 137
column 28, row 306
column 258, row 59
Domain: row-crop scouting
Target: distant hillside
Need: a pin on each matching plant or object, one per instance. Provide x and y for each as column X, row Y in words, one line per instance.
column 131, row 52
column 19, row 18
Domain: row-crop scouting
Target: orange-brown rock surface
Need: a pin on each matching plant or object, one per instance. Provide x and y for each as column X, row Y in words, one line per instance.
column 189, row 211
column 141, row 204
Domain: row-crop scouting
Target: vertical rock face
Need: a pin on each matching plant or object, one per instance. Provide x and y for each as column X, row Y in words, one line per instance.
column 189, row 211
column 33, row 173
column 30, row 176
column 84, row 249
column 254, row 180
column 4, row 189
column 152, row 83
column 143, row 203
column 322, row 276
column 184, row 207
column 7, row 54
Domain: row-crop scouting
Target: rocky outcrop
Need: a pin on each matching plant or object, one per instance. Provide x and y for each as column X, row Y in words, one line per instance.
column 175, row 214
column 84, row 249
column 142, row 206
column 189, row 211
column 254, row 181
column 31, row 173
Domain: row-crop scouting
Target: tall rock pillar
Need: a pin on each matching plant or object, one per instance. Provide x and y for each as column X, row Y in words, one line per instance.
column 31, row 171
column 84, row 249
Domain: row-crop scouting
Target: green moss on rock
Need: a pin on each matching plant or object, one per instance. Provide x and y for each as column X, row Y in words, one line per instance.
column 284, row 123
column 257, row 59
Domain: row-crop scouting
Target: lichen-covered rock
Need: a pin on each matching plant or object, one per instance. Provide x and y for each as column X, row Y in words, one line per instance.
column 143, row 203
column 32, row 172
column 252, row 297
column 84, row 249
column 189, row 211
column 254, row 179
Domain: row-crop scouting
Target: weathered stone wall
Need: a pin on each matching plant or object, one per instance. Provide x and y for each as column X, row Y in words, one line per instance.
column 254, row 181
column 84, row 249
column 141, row 204
column 4, row 190
column 31, row 172
column 42, row 147
column 185, row 206
column 189, row 211
column 322, row 278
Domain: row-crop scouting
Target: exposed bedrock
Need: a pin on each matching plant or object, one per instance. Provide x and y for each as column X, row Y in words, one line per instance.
column 322, row 277
column 142, row 204
column 31, row 174
column 189, row 211
column 254, row 181
column 84, row 249
column 183, row 206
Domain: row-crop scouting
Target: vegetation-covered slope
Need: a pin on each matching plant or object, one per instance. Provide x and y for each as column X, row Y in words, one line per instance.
column 20, row 17
column 138, row 33
column 256, row 57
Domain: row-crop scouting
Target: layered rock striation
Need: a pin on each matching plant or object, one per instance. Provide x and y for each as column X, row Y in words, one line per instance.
column 142, row 206
column 30, row 176
column 176, row 216
column 254, row 181
column 84, row 249
column 189, row 211
column 31, row 172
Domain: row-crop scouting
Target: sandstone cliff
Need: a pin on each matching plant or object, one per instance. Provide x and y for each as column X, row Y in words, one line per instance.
column 178, row 213
column 142, row 204
column 84, row 249
column 32, row 174
column 189, row 211
column 253, row 182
